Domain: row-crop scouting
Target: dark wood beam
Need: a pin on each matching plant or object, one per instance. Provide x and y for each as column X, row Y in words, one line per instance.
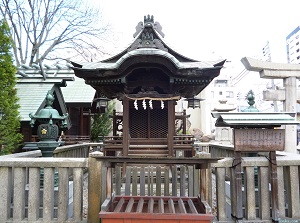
column 125, row 126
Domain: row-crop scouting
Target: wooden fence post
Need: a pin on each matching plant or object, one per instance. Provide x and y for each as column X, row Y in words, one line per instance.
column 205, row 180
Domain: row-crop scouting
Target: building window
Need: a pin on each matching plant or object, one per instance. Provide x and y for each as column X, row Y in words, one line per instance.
column 229, row 94
column 220, row 92
column 220, row 83
column 297, row 43
column 212, row 94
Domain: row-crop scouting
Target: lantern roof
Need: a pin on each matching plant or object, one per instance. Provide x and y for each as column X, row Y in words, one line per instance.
column 48, row 114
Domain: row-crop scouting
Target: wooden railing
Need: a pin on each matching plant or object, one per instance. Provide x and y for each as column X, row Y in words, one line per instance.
column 81, row 150
column 156, row 180
column 75, row 139
column 112, row 144
column 256, row 188
column 140, row 176
column 158, row 146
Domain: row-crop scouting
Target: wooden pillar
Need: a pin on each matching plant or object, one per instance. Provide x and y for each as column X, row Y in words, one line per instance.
column 81, row 121
column 290, row 104
column 69, row 112
column 171, row 126
column 205, row 184
column 125, row 126
column 109, row 181
column 89, row 122
column 114, row 123
column 184, row 122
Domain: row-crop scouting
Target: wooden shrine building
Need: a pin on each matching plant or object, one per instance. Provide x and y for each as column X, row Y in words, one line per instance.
column 71, row 95
column 149, row 78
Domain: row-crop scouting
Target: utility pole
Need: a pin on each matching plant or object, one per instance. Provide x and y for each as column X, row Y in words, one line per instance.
column 267, row 57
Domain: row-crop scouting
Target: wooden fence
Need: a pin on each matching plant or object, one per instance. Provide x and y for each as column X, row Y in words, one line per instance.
column 81, row 150
column 140, row 176
column 256, row 189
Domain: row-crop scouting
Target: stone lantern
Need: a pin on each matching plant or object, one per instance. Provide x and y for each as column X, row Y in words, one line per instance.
column 101, row 104
column 48, row 129
column 223, row 134
column 194, row 102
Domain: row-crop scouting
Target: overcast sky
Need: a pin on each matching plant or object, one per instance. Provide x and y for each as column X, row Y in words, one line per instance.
column 199, row 29
column 209, row 29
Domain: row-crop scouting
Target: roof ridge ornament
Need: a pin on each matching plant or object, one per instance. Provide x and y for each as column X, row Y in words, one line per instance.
column 148, row 19
column 148, row 37
column 148, row 22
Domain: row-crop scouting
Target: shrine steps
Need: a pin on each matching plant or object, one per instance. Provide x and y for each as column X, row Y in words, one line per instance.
column 148, row 152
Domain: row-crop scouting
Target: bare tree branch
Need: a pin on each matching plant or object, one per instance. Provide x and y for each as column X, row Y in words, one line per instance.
column 39, row 28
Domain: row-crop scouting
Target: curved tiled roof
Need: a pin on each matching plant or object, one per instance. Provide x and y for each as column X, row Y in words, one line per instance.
column 152, row 52
column 149, row 52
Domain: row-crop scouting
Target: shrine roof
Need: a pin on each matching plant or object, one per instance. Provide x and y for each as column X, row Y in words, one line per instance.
column 45, row 74
column 78, row 92
column 148, row 63
column 33, row 83
column 31, row 97
column 254, row 119
column 148, row 42
column 154, row 52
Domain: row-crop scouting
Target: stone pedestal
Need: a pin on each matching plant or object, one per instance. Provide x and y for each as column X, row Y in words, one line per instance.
column 46, row 147
column 224, row 135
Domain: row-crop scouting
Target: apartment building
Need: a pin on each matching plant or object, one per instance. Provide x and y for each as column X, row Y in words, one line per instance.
column 293, row 46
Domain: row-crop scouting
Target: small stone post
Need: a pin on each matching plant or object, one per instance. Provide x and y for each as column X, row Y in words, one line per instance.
column 96, row 190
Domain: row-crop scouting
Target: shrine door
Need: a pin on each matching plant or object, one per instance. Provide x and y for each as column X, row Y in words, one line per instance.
column 149, row 123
